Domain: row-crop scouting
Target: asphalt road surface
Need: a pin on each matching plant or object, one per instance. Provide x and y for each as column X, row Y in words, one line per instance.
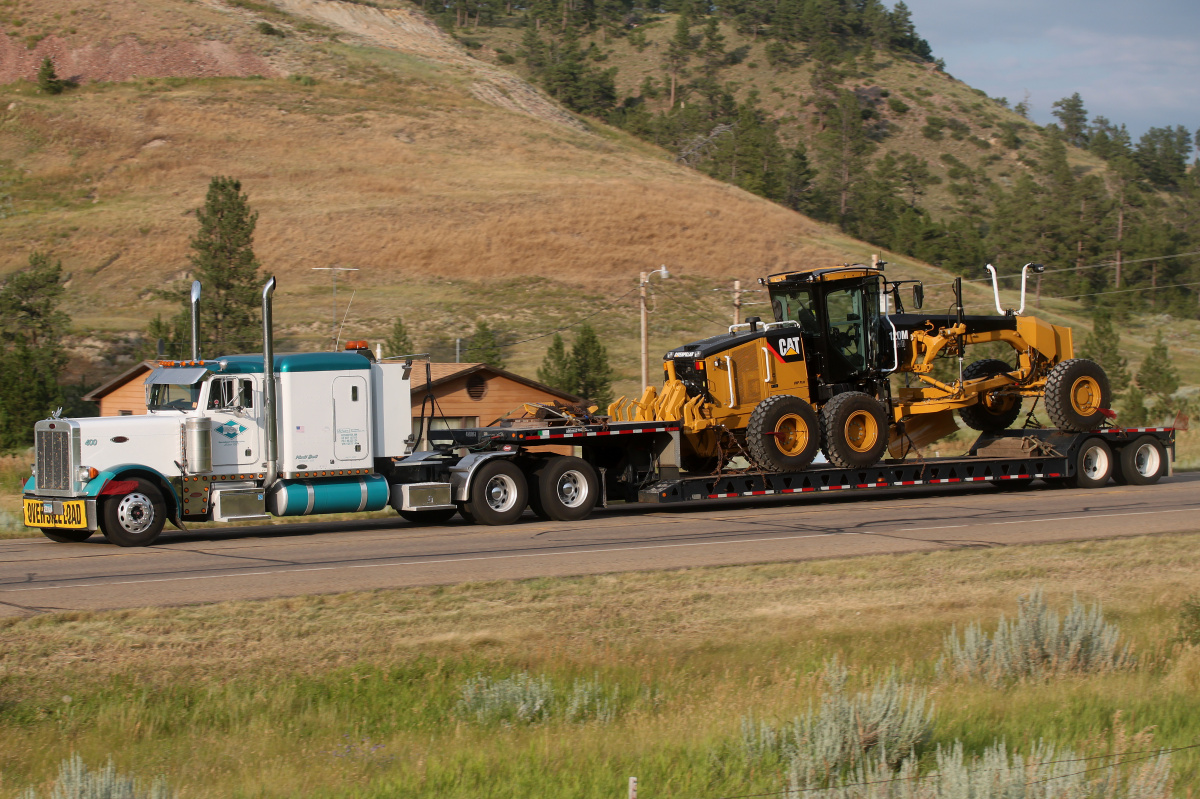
column 38, row 575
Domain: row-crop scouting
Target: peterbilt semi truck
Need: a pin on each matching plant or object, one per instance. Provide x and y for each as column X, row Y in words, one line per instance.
column 248, row 437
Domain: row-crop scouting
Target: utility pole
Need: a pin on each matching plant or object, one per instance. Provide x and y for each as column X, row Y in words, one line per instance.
column 645, row 279
column 737, row 302
column 334, row 270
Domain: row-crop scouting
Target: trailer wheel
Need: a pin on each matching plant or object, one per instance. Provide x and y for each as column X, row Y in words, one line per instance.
column 1093, row 465
column 134, row 519
column 435, row 516
column 783, row 434
column 854, row 430
column 992, row 413
column 1076, row 391
column 64, row 535
column 1141, row 463
column 564, row 489
column 499, row 493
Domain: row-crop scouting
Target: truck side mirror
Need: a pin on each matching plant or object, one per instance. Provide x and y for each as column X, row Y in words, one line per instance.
column 918, row 296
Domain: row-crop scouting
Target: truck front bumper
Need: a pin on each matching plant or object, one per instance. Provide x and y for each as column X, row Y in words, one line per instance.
column 74, row 513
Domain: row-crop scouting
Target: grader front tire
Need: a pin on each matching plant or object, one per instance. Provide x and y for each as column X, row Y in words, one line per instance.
column 991, row 414
column 1076, row 391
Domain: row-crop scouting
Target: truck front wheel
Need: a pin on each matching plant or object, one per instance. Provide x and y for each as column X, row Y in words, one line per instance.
column 565, row 489
column 499, row 494
column 65, row 535
column 136, row 518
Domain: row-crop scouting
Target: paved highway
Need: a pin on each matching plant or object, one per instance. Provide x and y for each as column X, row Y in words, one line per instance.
column 38, row 576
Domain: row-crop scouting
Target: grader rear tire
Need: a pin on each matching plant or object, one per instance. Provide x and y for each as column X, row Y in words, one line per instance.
column 990, row 415
column 783, row 434
column 1076, row 391
column 854, row 430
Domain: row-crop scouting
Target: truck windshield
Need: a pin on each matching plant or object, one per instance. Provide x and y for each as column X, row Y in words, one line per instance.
column 173, row 397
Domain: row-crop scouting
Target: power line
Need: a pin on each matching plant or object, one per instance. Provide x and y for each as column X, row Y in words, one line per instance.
column 576, row 323
column 1073, row 268
column 1124, row 291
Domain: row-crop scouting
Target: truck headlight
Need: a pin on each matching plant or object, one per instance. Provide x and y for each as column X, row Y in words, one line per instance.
column 87, row 473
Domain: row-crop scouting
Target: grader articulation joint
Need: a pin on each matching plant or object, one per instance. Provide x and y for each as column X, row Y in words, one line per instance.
column 819, row 377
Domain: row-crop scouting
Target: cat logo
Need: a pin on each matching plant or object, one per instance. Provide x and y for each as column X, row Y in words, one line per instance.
column 789, row 347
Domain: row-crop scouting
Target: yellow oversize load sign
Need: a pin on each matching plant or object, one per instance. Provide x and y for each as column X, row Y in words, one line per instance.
column 41, row 514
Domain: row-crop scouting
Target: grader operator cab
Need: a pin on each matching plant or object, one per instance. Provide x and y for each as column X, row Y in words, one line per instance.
column 820, row 375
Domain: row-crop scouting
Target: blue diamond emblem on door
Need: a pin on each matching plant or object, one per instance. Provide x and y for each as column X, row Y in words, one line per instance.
column 231, row 429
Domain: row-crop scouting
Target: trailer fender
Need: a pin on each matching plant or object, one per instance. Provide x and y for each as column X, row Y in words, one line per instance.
column 462, row 472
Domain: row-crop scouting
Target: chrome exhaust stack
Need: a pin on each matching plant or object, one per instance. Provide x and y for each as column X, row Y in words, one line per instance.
column 195, row 320
column 269, row 400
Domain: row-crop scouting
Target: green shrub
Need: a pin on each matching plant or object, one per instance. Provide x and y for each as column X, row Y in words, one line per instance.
column 303, row 80
column 77, row 781
column 507, row 58
column 1189, row 620
column 893, row 719
column 1037, row 645
column 524, row 699
column 897, row 105
column 995, row 774
column 267, row 29
column 48, row 80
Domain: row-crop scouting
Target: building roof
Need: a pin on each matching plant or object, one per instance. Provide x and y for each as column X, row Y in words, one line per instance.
column 129, row 374
column 441, row 373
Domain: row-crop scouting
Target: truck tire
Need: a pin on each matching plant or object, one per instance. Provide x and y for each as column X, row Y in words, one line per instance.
column 564, row 489
column 136, row 518
column 1076, row 391
column 783, row 434
column 854, row 430
column 990, row 414
column 1093, row 465
column 435, row 516
column 1141, row 463
column 498, row 493
column 65, row 535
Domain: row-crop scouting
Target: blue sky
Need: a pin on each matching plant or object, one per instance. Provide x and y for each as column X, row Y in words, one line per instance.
column 1133, row 62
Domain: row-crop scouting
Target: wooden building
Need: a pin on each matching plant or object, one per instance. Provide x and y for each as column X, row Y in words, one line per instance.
column 125, row 394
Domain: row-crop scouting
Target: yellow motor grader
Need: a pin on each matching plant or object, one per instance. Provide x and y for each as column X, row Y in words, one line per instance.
column 820, row 376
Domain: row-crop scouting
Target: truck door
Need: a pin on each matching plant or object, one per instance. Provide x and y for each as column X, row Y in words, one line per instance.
column 233, row 408
column 350, row 439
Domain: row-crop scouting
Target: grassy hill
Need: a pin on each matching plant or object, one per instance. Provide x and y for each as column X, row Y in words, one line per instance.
column 368, row 138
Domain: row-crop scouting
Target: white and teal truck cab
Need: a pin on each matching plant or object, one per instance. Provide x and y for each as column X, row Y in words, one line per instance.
column 206, row 449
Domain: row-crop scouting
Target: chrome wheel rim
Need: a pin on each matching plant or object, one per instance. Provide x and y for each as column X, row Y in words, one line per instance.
column 135, row 513
column 1095, row 463
column 500, row 493
column 572, row 489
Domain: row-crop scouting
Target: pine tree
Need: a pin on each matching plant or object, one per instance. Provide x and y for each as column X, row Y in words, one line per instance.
column 31, row 353
column 556, row 370
column 1103, row 345
column 398, row 342
column 589, row 362
column 679, row 52
column 1158, row 378
column 484, row 346
column 798, row 181
column 712, row 48
column 174, row 334
column 1132, row 412
column 48, row 80
column 224, row 261
column 1073, row 118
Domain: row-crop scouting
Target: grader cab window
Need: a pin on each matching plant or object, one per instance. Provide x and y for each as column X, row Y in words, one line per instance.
column 796, row 306
column 851, row 319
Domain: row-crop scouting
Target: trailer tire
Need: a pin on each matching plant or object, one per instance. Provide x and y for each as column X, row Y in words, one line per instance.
column 433, row 516
column 1093, row 465
column 990, row 414
column 498, row 494
column 783, row 434
column 135, row 518
column 66, row 535
column 854, row 430
column 1141, row 463
column 1076, row 392
column 564, row 489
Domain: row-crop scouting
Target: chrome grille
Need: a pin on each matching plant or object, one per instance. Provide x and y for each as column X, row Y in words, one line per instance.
column 53, row 460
